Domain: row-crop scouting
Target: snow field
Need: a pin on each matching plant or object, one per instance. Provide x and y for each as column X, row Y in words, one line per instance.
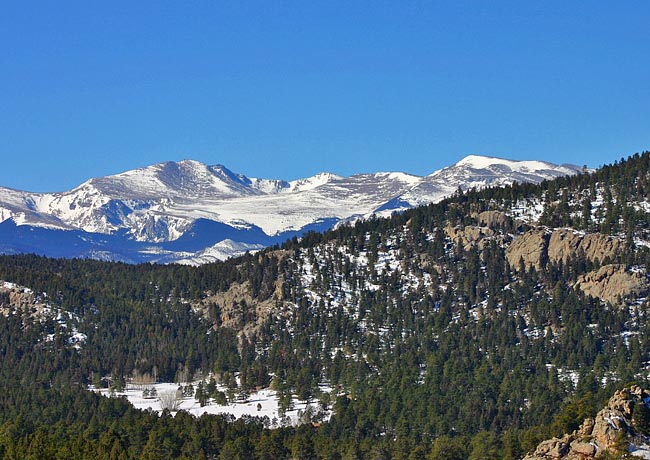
column 266, row 398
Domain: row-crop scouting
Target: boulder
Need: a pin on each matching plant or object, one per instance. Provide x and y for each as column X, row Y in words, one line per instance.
column 552, row 448
column 583, row 448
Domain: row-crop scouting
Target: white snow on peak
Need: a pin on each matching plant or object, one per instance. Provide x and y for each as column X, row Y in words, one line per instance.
column 309, row 183
column 187, row 178
column 269, row 186
column 480, row 161
column 400, row 176
column 484, row 162
column 522, row 166
column 161, row 202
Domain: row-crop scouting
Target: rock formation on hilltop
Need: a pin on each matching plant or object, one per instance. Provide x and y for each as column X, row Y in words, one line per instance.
column 560, row 245
column 618, row 429
column 610, row 282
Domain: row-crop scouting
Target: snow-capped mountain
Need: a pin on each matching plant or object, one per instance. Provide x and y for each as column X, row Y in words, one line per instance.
column 190, row 212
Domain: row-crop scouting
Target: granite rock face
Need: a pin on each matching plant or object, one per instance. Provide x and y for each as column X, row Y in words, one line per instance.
column 236, row 308
column 493, row 219
column 613, row 282
column 596, row 436
column 531, row 248
column 18, row 298
column 564, row 244
column 537, row 245
column 469, row 236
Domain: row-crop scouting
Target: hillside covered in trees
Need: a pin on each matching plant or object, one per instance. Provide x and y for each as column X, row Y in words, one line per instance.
column 472, row 328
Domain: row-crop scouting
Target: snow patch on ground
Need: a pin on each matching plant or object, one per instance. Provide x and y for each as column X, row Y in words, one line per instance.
column 267, row 400
column 221, row 251
column 641, row 451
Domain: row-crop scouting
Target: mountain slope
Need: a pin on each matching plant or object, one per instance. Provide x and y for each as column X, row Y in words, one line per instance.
column 468, row 329
column 144, row 212
column 478, row 172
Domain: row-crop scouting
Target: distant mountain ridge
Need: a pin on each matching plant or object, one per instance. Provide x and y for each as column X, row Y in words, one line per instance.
column 194, row 213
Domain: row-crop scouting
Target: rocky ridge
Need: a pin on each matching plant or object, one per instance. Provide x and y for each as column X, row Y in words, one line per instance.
column 539, row 245
column 609, row 282
column 615, row 430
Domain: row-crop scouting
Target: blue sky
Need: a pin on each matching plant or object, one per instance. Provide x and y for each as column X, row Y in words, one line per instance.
column 285, row 89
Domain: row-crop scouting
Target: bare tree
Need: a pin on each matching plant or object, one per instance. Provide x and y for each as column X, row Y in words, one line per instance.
column 169, row 400
column 140, row 381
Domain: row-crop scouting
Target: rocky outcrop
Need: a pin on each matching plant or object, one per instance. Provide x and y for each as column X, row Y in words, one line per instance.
column 564, row 448
column 237, row 309
column 612, row 283
column 599, row 435
column 531, row 248
column 491, row 225
column 18, row 298
column 469, row 236
column 493, row 219
column 537, row 245
column 564, row 244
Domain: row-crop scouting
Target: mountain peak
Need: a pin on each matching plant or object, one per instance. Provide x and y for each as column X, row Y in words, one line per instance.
column 483, row 162
column 161, row 203
column 523, row 168
column 309, row 183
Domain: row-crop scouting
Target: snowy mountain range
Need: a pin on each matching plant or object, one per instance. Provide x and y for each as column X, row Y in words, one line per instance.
column 189, row 212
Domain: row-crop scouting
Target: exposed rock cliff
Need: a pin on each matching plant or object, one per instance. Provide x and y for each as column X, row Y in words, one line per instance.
column 531, row 248
column 491, row 225
column 18, row 298
column 237, row 309
column 470, row 235
column 537, row 245
column 613, row 429
column 612, row 283
column 494, row 219
column 596, row 247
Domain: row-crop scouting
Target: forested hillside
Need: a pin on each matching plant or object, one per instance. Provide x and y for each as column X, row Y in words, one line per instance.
column 472, row 328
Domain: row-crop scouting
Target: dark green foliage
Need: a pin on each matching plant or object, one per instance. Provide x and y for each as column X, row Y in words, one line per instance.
column 641, row 419
column 448, row 448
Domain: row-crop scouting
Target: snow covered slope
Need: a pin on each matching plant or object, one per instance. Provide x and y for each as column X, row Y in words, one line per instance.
column 477, row 172
column 194, row 213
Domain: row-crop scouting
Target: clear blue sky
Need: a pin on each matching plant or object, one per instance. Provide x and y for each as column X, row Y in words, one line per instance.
column 285, row 89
